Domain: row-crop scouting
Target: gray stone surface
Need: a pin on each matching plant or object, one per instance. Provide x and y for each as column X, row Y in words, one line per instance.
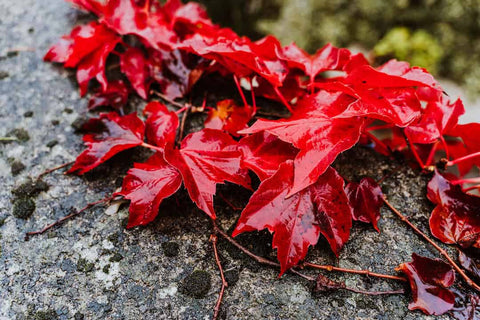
column 93, row 268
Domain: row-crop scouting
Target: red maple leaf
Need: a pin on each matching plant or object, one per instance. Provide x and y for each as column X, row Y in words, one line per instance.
column 146, row 185
column 136, row 68
column 429, row 280
column 319, row 137
column 366, row 199
column 228, row 116
column 456, row 217
column 205, row 159
column 263, row 153
column 161, row 124
column 112, row 134
column 297, row 221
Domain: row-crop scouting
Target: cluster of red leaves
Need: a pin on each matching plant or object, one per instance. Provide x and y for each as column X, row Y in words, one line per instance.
column 300, row 196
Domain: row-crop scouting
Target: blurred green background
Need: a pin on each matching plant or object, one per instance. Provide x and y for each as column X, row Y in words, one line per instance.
column 440, row 35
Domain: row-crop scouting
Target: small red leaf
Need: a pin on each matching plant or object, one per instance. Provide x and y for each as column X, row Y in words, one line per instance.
column 135, row 68
column 263, row 153
column 206, row 158
column 429, row 280
column 228, row 116
column 366, row 199
column 161, row 125
column 113, row 133
column 116, row 96
column 470, row 260
column 146, row 185
column 297, row 221
column 456, row 217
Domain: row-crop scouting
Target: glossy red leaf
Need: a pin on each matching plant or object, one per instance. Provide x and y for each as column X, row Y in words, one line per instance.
column 116, row 96
column 146, row 185
column 366, row 199
column 263, row 153
column 112, row 134
column 429, row 280
column 135, row 67
column 228, row 116
column 205, row 159
column 470, row 261
column 319, row 137
column 470, row 135
column 297, row 221
column 161, row 125
column 456, row 217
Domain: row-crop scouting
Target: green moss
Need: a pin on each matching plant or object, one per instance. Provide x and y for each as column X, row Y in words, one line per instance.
column 30, row 188
column 23, row 208
column 4, row 75
column 116, row 257
column 52, row 143
column 19, row 133
column 84, row 266
column 197, row 284
column 170, row 249
column 113, row 238
column 106, row 269
column 45, row 315
column 16, row 167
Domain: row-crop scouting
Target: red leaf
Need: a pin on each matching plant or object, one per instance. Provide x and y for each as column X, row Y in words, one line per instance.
column 319, row 137
column 263, row 153
column 146, row 185
column 116, row 96
column 206, row 158
column 456, row 217
column 470, row 261
column 228, row 116
column 366, row 199
column 470, row 135
column 113, row 134
column 135, row 67
column 297, row 221
column 429, row 280
column 161, row 125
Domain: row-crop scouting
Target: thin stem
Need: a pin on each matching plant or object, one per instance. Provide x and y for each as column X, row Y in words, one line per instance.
column 170, row 101
column 362, row 272
column 436, row 246
column 254, row 102
column 149, row 146
column 306, row 264
column 182, row 124
column 213, row 239
column 182, row 109
column 377, row 141
column 283, row 100
column 7, row 139
column 462, row 181
column 239, row 87
column 55, row 169
column 375, row 293
column 71, row 215
column 414, row 151
column 431, row 154
column 467, row 157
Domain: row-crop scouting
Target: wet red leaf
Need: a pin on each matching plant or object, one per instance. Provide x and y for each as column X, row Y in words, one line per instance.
column 146, row 185
column 297, row 221
column 429, row 280
column 319, row 137
column 116, row 96
column 205, row 159
column 456, row 217
column 263, row 153
column 228, row 116
column 135, row 67
column 470, row 260
column 366, row 199
column 112, row 134
column 161, row 125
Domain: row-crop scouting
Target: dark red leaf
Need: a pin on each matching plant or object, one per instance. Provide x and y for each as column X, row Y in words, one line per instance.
column 297, row 221
column 456, row 217
column 470, row 135
column 205, row 159
column 113, row 133
column 116, row 96
column 319, row 137
column 146, row 185
column 161, row 125
column 429, row 280
column 228, row 116
column 470, row 260
column 263, row 153
column 366, row 199
column 135, row 67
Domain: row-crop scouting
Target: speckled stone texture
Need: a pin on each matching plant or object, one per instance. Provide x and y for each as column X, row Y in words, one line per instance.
column 93, row 268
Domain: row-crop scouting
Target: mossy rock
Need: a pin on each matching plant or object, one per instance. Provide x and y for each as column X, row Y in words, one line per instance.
column 197, row 284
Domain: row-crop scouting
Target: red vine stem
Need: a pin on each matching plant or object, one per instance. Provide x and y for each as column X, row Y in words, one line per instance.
column 254, row 102
column 216, row 310
column 149, row 146
column 182, row 124
column 461, row 181
column 414, row 151
column 71, row 215
column 54, row 169
column 377, row 141
column 282, row 98
column 468, row 157
column 170, row 101
column 436, row 246
column 239, row 87
column 306, row 264
column 362, row 272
